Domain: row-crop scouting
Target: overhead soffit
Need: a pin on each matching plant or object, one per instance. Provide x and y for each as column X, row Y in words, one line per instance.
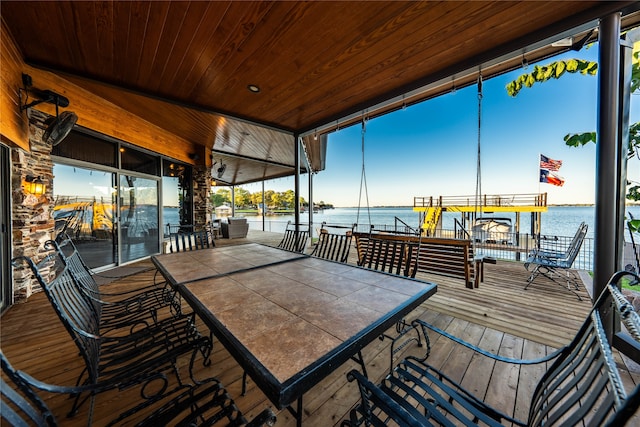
column 185, row 65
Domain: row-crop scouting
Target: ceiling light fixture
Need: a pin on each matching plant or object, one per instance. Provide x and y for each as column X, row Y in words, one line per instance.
column 253, row 88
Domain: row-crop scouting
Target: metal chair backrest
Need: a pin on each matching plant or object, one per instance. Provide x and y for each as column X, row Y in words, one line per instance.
column 20, row 404
column 334, row 242
column 583, row 384
column 76, row 311
column 69, row 254
column 191, row 241
column 576, row 243
column 292, row 241
column 391, row 254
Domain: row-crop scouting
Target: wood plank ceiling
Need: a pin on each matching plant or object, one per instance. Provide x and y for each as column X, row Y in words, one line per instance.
column 186, row 65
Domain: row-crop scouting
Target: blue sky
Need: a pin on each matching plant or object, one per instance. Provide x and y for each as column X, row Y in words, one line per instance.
column 429, row 149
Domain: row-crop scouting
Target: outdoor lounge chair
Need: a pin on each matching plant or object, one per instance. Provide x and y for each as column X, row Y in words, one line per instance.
column 334, row 242
column 203, row 403
column 581, row 384
column 549, row 262
column 293, row 241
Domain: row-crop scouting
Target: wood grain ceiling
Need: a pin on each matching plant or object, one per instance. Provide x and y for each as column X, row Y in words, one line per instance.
column 185, row 65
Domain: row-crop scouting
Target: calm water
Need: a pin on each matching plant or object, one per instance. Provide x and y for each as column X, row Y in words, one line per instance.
column 558, row 221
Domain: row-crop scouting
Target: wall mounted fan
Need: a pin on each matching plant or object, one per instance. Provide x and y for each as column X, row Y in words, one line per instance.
column 58, row 127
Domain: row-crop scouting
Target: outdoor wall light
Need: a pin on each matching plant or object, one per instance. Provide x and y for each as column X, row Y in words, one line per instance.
column 58, row 127
column 34, row 185
column 253, row 88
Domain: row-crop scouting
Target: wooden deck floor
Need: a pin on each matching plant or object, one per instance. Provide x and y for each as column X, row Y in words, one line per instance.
column 499, row 316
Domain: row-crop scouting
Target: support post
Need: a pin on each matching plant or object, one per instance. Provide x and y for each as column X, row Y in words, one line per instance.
column 607, row 153
column 264, row 207
column 297, row 185
column 310, row 206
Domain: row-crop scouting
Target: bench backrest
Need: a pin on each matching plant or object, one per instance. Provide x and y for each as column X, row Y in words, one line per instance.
column 447, row 257
column 75, row 310
column 191, row 241
column 292, row 241
column 384, row 253
column 334, row 242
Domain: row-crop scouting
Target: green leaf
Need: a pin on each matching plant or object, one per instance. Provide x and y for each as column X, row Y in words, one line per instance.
column 572, row 65
column 560, row 68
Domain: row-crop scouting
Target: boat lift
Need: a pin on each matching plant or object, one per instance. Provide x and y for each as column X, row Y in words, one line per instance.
column 431, row 208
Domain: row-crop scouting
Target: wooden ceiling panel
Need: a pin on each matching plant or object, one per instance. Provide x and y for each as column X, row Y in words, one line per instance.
column 185, row 65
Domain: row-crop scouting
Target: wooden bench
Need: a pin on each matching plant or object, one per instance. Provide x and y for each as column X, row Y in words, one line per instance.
column 581, row 384
column 447, row 257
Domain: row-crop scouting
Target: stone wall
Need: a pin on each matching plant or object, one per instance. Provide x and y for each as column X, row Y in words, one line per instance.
column 32, row 216
column 201, row 201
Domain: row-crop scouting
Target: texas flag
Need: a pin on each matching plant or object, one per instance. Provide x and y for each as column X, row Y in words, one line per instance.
column 548, row 167
column 551, row 178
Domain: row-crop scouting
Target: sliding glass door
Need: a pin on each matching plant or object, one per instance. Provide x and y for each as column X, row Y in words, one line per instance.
column 138, row 217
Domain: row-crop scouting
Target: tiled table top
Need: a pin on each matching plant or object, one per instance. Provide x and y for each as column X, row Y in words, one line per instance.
column 290, row 324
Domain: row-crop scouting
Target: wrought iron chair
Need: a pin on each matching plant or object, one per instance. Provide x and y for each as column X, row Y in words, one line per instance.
column 121, row 308
column 292, row 241
column 204, row 403
column 135, row 356
column 548, row 262
column 581, row 386
column 191, row 241
column 334, row 242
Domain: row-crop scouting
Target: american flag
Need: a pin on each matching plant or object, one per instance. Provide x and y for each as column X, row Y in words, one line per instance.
column 549, row 164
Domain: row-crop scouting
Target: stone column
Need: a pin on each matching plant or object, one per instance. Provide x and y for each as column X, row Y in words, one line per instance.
column 31, row 216
column 201, row 201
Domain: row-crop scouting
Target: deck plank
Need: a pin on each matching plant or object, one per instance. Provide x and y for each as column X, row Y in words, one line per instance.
column 499, row 315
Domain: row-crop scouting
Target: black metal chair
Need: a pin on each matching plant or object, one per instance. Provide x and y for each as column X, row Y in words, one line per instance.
column 334, row 242
column 293, row 241
column 137, row 355
column 120, row 308
column 581, row 386
column 191, row 241
column 204, row 403
column 549, row 261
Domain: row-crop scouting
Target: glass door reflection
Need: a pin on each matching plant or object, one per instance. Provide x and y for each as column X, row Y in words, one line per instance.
column 138, row 217
column 83, row 210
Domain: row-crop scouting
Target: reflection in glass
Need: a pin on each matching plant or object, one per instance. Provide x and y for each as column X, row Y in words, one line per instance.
column 138, row 217
column 84, row 208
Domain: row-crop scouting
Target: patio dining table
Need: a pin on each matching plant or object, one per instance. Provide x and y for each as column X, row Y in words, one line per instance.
column 288, row 319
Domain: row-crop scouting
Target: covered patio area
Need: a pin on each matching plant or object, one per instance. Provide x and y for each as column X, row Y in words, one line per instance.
column 107, row 104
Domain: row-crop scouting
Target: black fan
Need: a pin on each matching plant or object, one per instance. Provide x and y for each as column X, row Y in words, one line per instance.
column 59, row 127
column 221, row 169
